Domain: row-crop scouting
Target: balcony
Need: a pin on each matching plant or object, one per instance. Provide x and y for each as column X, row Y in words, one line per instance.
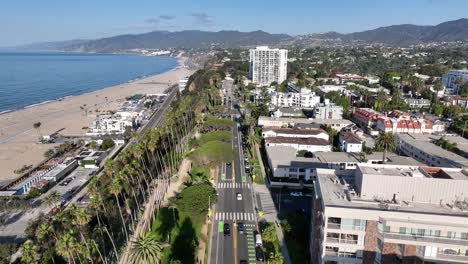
column 330, row 253
column 341, row 241
column 425, row 239
column 344, row 227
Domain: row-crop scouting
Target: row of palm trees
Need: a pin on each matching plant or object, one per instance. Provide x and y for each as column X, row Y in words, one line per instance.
column 97, row 233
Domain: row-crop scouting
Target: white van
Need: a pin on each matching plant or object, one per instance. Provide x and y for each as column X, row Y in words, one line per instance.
column 258, row 240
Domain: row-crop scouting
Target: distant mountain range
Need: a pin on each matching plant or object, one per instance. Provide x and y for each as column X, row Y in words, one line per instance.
column 401, row 35
column 182, row 39
column 406, row 34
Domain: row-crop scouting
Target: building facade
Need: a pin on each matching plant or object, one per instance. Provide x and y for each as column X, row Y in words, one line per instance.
column 390, row 214
column 450, row 80
column 303, row 99
column 268, row 65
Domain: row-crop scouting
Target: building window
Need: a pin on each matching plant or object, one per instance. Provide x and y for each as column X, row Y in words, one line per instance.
column 402, row 230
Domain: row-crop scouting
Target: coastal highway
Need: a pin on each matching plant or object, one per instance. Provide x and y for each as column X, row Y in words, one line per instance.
column 231, row 181
column 155, row 119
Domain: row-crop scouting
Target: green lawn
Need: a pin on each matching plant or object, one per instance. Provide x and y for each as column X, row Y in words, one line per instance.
column 183, row 234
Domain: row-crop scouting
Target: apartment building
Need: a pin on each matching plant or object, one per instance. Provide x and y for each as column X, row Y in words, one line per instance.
column 390, row 214
column 395, row 122
column 417, row 103
column 268, row 65
column 450, row 80
column 456, row 100
column 285, row 162
column 310, row 144
column 295, row 133
column 422, row 148
column 270, row 122
column 303, row 99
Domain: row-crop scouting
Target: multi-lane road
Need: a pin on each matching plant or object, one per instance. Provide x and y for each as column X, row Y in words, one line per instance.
column 232, row 181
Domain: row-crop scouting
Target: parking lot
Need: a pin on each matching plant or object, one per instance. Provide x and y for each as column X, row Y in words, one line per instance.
column 291, row 202
column 79, row 176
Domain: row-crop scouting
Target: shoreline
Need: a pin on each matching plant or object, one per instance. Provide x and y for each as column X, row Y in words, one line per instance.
column 18, row 139
column 179, row 64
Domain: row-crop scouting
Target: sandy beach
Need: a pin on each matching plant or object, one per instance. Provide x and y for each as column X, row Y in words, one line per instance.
column 18, row 138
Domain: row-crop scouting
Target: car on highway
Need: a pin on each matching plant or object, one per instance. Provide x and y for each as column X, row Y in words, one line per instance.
column 239, row 196
column 227, row 229
column 259, row 253
column 240, row 228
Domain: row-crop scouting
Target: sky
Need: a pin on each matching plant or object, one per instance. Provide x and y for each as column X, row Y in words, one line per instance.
column 32, row 21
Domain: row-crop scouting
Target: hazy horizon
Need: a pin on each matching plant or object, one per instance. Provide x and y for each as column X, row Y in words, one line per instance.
column 50, row 21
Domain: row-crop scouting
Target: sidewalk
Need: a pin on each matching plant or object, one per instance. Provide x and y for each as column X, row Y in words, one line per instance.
column 265, row 203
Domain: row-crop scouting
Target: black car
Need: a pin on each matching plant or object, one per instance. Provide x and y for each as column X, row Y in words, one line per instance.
column 259, row 253
column 240, row 228
column 227, row 229
column 243, row 261
column 228, row 164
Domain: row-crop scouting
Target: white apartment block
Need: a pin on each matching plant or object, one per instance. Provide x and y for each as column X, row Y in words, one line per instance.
column 390, row 214
column 450, row 80
column 308, row 144
column 268, row 65
column 295, row 133
column 305, row 99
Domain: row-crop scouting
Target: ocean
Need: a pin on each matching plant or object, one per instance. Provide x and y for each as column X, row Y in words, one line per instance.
column 30, row 78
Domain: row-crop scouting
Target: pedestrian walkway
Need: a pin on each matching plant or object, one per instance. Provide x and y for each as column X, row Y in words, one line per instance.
column 232, row 185
column 267, row 206
column 237, row 216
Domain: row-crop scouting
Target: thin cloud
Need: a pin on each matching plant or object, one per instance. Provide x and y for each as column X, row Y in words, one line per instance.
column 158, row 19
column 166, row 17
column 202, row 18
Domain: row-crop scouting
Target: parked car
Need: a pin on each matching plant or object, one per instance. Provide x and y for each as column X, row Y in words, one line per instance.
column 259, row 253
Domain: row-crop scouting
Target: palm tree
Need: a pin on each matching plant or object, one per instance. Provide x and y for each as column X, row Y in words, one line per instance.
column 37, row 126
column 52, row 199
column 115, row 188
column 65, row 246
column 332, row 133
column 146, row 249
column 386, row 141
column 29, row 252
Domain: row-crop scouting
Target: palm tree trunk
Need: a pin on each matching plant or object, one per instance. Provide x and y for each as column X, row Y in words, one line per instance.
column 113, row 244
column 121, row 217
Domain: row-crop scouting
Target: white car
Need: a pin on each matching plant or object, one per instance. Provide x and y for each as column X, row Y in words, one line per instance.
column 298, row 194
column 239, row 197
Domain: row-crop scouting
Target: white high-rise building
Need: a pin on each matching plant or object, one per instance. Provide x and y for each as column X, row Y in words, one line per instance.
column 450, row 80
column 268, row 65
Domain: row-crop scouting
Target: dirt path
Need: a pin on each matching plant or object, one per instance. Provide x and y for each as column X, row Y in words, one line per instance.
column 175, row 187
